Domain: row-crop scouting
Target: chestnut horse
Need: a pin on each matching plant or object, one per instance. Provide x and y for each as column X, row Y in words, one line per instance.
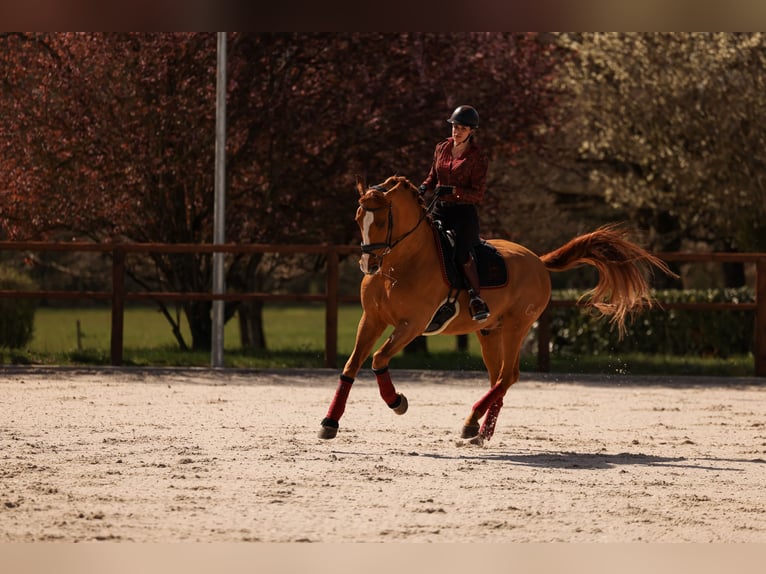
column 403, row 286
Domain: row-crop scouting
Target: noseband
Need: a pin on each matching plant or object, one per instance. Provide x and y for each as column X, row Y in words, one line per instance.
column 388, row 245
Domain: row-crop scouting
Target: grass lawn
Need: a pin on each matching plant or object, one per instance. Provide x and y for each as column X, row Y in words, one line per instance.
column 295, row 338
column 294, row 328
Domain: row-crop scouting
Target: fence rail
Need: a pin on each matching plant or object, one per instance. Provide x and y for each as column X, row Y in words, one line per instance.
column 119, row 296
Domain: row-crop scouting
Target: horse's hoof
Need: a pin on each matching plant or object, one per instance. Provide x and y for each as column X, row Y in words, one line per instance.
column 329, row 429
column 328, row 432
column 401, row 408
column 470, row 431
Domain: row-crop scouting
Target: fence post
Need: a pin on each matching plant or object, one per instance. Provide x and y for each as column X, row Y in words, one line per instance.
column 759, row 344
column 331, row 310
column 118, row 304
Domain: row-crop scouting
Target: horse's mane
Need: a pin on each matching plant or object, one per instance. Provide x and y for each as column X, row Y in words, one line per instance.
column 395, row 180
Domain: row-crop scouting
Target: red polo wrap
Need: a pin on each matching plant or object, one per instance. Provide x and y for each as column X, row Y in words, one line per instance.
column 338, row 404
column 386, row 387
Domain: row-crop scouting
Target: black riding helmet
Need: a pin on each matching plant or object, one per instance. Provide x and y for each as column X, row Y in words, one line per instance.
column 465, row 116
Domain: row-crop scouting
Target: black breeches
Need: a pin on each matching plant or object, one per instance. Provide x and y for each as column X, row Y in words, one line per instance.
column 464, row 221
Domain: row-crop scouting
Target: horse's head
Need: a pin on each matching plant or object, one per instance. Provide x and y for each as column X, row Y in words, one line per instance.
column 387, row 213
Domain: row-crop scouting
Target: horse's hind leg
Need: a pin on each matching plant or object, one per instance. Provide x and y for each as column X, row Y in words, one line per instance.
column 490, row 420
column 491, row 403
column 492, row 354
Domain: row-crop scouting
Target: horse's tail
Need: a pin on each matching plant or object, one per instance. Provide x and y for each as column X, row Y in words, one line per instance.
column 623, row 268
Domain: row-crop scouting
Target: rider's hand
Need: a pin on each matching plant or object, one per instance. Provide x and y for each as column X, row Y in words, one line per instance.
column 443, row 190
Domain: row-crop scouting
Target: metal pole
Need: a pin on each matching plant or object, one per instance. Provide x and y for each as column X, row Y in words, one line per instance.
column 219, row 213
column 118, row 304
column 759, row 344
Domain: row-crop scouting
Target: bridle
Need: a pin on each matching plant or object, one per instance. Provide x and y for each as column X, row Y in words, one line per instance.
column 388, row 244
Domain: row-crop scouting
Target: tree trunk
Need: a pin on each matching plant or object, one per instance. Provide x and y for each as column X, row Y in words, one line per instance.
column 198, row 314
column 250, row 314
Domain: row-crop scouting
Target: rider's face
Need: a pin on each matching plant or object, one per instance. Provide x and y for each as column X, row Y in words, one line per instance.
column 460, row 133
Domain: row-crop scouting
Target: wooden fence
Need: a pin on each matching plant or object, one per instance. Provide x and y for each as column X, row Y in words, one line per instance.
column 331, row 297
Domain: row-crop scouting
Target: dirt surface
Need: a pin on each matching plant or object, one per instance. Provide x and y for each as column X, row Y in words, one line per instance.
column 165, row 455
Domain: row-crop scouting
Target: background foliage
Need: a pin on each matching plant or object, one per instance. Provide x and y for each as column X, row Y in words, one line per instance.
column 660, row 331
column 109, row 137
column 670, row 130
column 17, row 317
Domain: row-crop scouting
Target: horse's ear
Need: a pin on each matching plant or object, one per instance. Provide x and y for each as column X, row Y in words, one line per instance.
column 360, row 187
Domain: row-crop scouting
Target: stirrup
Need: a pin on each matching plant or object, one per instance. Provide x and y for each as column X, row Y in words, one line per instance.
column 478, row 308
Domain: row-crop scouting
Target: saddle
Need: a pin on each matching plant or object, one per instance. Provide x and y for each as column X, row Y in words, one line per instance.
column 489, row 264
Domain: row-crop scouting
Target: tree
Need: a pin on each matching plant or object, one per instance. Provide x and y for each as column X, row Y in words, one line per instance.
column 117, row 145
column 110, row 137
column 104, row 142
column 670, row 128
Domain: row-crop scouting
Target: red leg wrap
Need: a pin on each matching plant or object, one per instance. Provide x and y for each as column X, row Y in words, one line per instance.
column 488, row 427
column 488, row 400
column 338, row 404
column 386, row 387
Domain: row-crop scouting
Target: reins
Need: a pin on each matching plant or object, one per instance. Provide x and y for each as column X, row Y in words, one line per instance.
column 388, row 245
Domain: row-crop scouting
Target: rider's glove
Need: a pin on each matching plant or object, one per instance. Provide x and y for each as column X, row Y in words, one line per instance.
column 445, row 190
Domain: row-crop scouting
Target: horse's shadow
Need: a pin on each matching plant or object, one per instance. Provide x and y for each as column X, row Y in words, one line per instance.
column 588, row 461
column 582, row 460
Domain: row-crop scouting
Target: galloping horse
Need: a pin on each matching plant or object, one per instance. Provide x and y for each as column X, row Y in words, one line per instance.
column 404, row 285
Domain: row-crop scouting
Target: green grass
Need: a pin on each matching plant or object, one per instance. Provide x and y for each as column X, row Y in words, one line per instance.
column 287, row 328
column 295, row 339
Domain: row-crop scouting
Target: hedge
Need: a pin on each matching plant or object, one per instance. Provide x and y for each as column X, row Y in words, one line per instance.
column 17, row 316
column 707, row 333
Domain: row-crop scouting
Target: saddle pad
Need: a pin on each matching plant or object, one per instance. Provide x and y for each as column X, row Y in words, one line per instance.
column 491, row 266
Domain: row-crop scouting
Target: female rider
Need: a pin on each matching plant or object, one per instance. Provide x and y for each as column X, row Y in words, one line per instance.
column 457, row 178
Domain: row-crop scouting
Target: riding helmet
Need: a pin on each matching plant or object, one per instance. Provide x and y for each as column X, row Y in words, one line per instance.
column 465, row 116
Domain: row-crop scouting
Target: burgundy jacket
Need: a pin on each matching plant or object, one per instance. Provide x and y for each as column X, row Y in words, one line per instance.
column 468, row 173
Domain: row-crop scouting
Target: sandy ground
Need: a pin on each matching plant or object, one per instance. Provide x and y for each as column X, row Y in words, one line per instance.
column 193, row 455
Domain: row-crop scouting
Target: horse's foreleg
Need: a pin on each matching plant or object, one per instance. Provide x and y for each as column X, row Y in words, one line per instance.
column 400, row 338
column 395, row 401
column 366, row 335
column 329, row 425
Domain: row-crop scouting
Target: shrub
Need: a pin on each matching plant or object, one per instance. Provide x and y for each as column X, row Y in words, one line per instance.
column 704, row 333
column 17, row 316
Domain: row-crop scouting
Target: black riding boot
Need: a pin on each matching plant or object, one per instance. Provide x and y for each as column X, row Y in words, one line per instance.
column 477, row 307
